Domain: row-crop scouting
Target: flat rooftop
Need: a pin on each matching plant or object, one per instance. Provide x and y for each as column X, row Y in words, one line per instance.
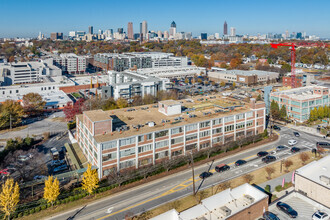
column 245, row 72
column 231, row 200
column 301, row 93
column 203, row 107
column 303, row 205
column 314, row 170
column 86, row 80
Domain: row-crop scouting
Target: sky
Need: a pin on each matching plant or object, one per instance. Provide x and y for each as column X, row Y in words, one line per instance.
column 26, row 18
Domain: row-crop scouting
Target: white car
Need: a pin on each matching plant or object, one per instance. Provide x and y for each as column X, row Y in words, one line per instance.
column 319, row 215
column 292, row 142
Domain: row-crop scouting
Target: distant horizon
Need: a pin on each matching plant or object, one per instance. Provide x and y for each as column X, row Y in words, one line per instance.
column 28, row 18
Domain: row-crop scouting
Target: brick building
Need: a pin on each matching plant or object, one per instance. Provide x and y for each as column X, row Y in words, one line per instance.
column 299, row 81
column 130, row 138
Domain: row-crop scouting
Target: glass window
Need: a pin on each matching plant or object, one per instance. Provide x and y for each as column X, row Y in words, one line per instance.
column 177, row 140
column 126, row 141
column 204, row 133
column 127, row 152
column 191, row 137
column 161, row 155
column 191, row 127
column 229, row 128
column 109, row 156
column 229, row 119
column 217, row 121
column 161, row 134
column 204, row 124
column 249, row 114
column 177, row 130
column 145, row 148
column 217, row 130
column 161, row 144
column 141, row 138
column 126, row 164
column 240, row 116
column 217, row 140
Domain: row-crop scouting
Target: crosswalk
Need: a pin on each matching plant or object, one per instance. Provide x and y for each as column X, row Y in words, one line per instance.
column 301, row 143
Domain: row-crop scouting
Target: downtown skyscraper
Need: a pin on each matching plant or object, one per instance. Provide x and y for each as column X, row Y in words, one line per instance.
column 130, row 32
column 144, row 29
column 225, row 29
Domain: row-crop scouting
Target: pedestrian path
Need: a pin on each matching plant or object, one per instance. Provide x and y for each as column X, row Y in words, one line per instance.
column 277, row 181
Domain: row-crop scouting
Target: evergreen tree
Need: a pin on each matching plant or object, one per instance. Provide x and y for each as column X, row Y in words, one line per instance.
column 283, row 114
column 274, row 110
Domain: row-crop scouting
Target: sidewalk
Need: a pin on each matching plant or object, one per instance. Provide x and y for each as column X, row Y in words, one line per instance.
column 309, row 130
column 278, row 181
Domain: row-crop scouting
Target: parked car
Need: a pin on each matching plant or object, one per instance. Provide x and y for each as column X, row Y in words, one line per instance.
column 240, row 163
column 262, row 153
column 275, row 127
column 205, row 175
column 41, row 177
column 222, row 167
column 56, row 163
column 295, row 133
column 61, row 168
column 280, row 148
column 4, row 172
column 270, row 216
column 295, row 149
column 23, row 158
column 320, row 216
column 287, row 209
column 323, row 145
column 292, row 142
column 268, row 159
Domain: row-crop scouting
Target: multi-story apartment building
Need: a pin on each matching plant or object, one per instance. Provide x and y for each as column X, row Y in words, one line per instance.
column 131, row 138
column 298, row 81
column 242, row 77
column 129, row 84
column 121, row 62
column 300, row 101
column 71, row 63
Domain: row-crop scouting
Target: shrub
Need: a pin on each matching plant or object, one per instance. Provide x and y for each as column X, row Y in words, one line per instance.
column 37, row 209
column 76, row 197
column 43, row 207
column 31, row 211
column 20, row 215
column 278, row 188
column 267, row 188
column 49, row 205
column 71, row 198
column 67, row 200
column 71, row 125
column 26, row 213
column 58, row 202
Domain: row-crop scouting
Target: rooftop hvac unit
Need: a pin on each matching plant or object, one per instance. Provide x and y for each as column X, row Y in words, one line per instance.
column 224, row 210
column 248, row 199
column 151, row 124
column 325, row 179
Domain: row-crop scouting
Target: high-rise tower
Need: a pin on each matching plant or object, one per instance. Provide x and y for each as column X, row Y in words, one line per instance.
column 144, row 29
column 90, row 29
column 130, row 30
column 225, row 29
column 173, row 29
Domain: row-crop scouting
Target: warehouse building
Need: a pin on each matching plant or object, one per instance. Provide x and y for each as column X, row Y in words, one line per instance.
column 134, row 137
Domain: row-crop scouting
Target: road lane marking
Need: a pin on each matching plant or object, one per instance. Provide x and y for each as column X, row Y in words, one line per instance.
column 177, row 188
column 109, row 210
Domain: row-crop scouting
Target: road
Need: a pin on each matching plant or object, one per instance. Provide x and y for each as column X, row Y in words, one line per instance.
column 155, row 193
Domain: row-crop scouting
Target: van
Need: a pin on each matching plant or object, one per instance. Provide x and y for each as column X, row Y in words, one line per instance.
column 323, row 144
column 55, row 154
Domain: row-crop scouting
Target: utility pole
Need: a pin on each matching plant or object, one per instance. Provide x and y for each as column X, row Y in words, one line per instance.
column 193, row 172
column 10, row 123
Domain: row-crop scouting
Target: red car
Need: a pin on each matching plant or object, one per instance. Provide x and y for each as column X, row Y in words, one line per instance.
column 4, row 172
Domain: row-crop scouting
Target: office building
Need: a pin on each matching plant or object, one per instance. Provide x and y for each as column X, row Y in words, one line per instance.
column 173, row 29
column 225, row 29
column 244, row 77
column 298, row 81
column 159, row 34
column 242, row 202
column 130, row 138
column 144, row 29
column 232, row 31
column 203, row 36
column 120, row 30
column 300, row 101
column 71, row 63
column 90, row 30
column 128, row 84
column 56, row 36
column 166, row 35
column 130, row 32
column 27, row 72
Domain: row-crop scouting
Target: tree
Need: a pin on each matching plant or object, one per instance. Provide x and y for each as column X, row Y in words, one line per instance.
column 282, row 112
column 303, row 157
column 222, row 84
column 51, row 190
column 269, row 171
column 9, row 197
column 193, row 80
column 248, row 178
column 259, row 98
column 234, row 63
column 110, row 104
column 186, row 80
column 287, row 164
column 286, row 67
column 223, row 186
column 122, row 103
column 10, row 112
column 33, row 103
column 274, row 110
column 71, row 110
column 90, row 180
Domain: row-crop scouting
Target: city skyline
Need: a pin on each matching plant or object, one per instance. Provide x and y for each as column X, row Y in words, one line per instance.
column 23, row 23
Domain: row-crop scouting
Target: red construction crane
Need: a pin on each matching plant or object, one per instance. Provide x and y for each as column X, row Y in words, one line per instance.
column 293, row 55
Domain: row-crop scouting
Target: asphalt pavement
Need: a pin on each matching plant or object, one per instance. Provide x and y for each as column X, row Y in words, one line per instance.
column 150, row 195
